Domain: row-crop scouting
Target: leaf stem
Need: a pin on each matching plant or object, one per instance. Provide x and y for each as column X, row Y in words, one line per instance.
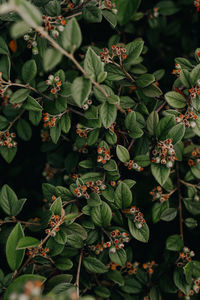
column 78, row 274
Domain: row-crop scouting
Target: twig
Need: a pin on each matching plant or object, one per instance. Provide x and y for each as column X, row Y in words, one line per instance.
column 180, row 202
column 131, row 144
column 189, row 184
column 78, row 274
column 13, row 122
column 161, row 106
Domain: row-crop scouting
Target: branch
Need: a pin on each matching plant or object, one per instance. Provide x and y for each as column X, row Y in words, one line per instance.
column 78, row 274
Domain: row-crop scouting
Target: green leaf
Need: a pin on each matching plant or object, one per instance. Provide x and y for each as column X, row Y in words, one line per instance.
column 19, row 96
column 157, row 210
column 51, row 58
column 155, row 293
column 119, row 257
column 29, row 70
column 3, row 122
column 63, row 263
column 35, row 117
column 126, row 9
column 141, row 234
column 100, row 96
column 174, row 243
column 123, row 196
column 160, row 173
column 3, row 47
column 116, row 277
column 102, row 292
column 93, row 64
column 71, row 37
column 191, row 223
column 19, row 29
column 94, row 265
column 180, row 281
column 132, row 286
column 55, row 132
column 192, row 270
column 185, row 78
column 175, row 100
column 145, row 80
column 5, row 66
column 26, row 242
column 65, row 123
column 164, row 126
column 152, row 122
column 195, row 75
column 29, row 13
column 92, row 14
column 18, row 283
column 176, row 133
column 94, row 200
column 108, row 114
column 101, row 215
column 56, row 206
column 122, row 153
column 169, row 214
column 24, row 130
column 167, row 8
column 80, row 89
column 110, row 17
column 142, row 160
column 152, row 91
column 14, row 257
column 32, row 105
column 134, row 49
column 9, row 201
column 192, row 206
column 8, row 153
column 114, row 73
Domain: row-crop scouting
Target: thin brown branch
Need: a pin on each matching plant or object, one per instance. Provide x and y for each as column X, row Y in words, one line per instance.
column 189, row 184
column 131, row 144
column 78, row 274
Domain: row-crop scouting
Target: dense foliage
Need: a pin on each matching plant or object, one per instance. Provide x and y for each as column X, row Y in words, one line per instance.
column 99, row 145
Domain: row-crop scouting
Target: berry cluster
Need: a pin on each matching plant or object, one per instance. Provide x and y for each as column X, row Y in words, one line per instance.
column 195, row 91
column 87, row 104
column 155, row 13
column 132, row 268
column 133, row 166
column 184, row 257
column 32, row 290
column 82, row 190
column 187, row 119
column 196, row 286
column 164, row 153
column 197, row 5
column 49, row 172
column 117, row 51
column 54, row 24
column 43, row 251
column 113, row 266
column 30, row 37
column 138, row 218
column 116, row 242
column 82, row 132
column 7, row 139
column 177, row 70
column 103, row 155
column 149, row 267
column 157, row 194
column 195, row 159
column 55, row 83
column 49, row 121
column 53, row 223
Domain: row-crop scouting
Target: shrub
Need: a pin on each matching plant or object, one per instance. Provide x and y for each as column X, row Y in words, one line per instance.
column 103, row 137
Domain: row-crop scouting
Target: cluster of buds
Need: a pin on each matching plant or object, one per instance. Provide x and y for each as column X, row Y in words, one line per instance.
column 82, row 132
column 195, row 90
column 117, row 51
column 53, row 223
column 54, row 25
column 113, row 266
column 188, row 119
column 7, row 139
column 42, row 251
column 132, row 268
column 32, row 290
column 55, row 83
column 155, row 13
column 112, row 127
column 49, row 172
column 98, row 248
column 30, row 37
column 195, row 159
column 149, row 267
column 196, row 286
column 177, row 70
column 87, row 104
column 82, row 190
column 157, row 194
column 49, row 121
column 138, row 217
column 164, row 153
column 103, row 155
column 117, row 240
column 197, row 5
column 83, row 149
column 133, row 166
column 4, row 99
column 184, row 257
